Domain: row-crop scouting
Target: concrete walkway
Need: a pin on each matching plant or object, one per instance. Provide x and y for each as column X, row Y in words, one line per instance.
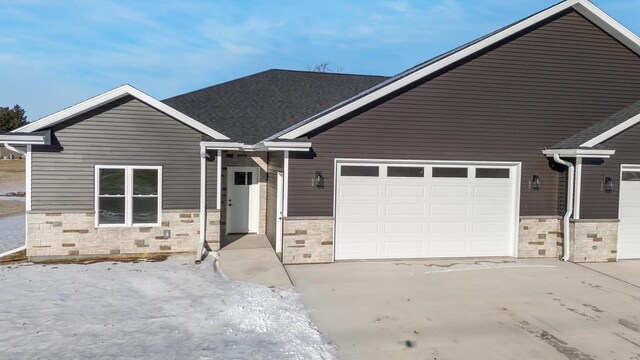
column 251, row 258
column 468, row 309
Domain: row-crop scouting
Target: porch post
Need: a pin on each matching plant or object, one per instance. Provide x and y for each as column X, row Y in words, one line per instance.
column 577, row 189
column 219, row 179
column 203, row 201
column 285, row 185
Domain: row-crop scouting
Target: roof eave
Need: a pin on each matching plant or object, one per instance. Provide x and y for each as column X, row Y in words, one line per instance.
column 584, row 7
column 112, row 95
column 26, row 139
column 579, row 153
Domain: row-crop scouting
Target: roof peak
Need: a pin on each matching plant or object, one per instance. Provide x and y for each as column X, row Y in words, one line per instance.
column 321, row 72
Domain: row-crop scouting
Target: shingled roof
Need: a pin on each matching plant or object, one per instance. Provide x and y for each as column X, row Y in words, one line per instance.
column 252, row 108
column 575, row 141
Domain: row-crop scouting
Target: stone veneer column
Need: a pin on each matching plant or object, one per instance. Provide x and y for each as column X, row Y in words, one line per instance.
column 540, row 236
column 69, row 233
column 212, row 234
column 307, row 240
column 594, row 240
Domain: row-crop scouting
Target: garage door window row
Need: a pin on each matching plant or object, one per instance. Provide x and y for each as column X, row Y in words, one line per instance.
column 419, row 171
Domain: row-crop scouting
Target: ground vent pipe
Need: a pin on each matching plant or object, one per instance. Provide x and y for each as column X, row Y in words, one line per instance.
column 567, row 215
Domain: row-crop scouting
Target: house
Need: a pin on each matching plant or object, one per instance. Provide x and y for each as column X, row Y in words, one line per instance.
column 522, row 143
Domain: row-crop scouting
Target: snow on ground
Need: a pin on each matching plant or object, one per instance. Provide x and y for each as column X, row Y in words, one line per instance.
column 173, row 309
column 11, row 233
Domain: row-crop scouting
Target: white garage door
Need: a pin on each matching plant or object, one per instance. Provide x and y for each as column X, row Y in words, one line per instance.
column 629, row 227
column 401, row 210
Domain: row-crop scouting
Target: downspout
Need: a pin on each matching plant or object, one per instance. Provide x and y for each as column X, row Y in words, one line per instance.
column 203, row 203
column 567, row 215
column 24, row 153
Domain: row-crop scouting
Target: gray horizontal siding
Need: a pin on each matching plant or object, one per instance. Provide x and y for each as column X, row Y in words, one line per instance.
column 504, row 105
column 125, row 132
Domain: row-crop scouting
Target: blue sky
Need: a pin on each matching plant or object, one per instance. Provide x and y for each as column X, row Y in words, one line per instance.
column 57, row 53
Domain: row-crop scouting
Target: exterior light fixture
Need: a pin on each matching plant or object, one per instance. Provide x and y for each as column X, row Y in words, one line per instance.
column 607, row 184
column 535, row 183
column 318, row 180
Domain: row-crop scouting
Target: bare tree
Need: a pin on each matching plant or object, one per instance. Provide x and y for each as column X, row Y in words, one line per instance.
column 324, row 67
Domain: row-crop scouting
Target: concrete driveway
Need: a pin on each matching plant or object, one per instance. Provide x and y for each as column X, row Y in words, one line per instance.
column 462, row 309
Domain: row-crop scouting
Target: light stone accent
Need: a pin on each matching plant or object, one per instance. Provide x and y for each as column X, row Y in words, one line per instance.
column 212, row 232
column 594, row 240
column 540, row 237
column 307, row 240
column 74, row 233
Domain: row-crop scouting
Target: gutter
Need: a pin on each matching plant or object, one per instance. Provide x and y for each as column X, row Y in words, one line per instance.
column 263, row 146
column 567, row 215
column 8, row 146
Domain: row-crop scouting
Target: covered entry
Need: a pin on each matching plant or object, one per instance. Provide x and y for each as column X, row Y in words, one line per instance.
column 406, row 209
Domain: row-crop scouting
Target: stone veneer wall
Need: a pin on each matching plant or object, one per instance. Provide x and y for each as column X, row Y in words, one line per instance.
column 212, row 229
column 540, row 236
column 74, row 233
column 307, row 240
column 594, row 240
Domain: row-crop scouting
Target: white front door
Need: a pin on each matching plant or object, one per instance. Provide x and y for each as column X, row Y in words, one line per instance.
column 395, row 209
column 629, row 213
column 279, row 195
column 243, row 200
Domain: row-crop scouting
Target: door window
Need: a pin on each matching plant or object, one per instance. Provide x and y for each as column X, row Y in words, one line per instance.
column 243, row 178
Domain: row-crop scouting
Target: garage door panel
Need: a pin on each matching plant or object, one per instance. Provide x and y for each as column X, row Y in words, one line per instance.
column 492, row 192
column 402, row 248
column 447, row 227
column 358, row 228
column 424, row 216
column 358, row 249
column 444, row 191
column 404, row 209
column 501, row 210
column 404, row 191
column 358, row 210
column 449, row 209
column 359, row 190
column 415, row 228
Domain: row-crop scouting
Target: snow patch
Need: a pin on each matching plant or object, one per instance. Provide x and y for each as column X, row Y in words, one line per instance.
column 155, row 310
column 12, row 232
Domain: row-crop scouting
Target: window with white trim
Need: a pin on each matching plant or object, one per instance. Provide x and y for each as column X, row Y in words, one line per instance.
column 128, row 195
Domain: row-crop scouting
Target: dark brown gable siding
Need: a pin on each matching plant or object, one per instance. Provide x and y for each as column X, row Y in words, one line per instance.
column 595, row 203
column 505, row 105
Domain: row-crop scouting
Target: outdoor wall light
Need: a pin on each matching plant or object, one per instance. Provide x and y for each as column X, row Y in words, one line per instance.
column 535, row 183
column 607, row 184
column 318, row 180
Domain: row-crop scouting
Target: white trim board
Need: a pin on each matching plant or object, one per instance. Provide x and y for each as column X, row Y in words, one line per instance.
column 584, row 7
column 27, row 139
column 578, row 153
column 612, row 132
column 263, row 146
column 128, row 195
column 516, row 183
column 110, row 96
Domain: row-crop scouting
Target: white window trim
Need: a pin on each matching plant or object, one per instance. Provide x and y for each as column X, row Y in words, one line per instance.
column 128, row 190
